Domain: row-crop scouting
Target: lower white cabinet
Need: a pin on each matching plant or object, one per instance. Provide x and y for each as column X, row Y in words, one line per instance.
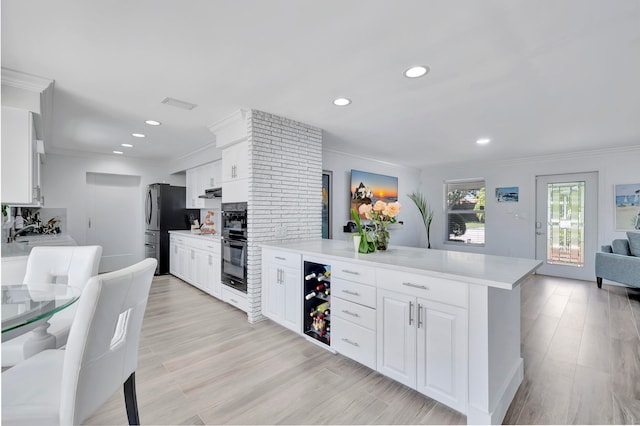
column 196, row 261
column 282, row 288
column 422, row 344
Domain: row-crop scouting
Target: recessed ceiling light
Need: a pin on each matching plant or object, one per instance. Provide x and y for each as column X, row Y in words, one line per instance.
column 138, row 135
column 416, row 71
column 483, row 141
column 178, row 103
column 118, row 152
column 341, row 101
column 153, row 123
column 127, row 145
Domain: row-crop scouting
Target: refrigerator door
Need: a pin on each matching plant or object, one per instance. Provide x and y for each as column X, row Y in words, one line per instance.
column 151, row 208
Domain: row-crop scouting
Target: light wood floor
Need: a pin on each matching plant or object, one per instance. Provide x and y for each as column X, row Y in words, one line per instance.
column 201, row 362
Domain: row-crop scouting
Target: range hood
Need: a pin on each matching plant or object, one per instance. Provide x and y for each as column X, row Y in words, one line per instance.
column 211, row 193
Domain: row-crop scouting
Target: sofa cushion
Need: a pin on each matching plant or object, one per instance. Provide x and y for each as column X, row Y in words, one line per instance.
column 634, row 243
column 621, row 247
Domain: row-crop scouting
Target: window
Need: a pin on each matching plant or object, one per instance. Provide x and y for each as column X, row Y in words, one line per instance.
column 465, row 211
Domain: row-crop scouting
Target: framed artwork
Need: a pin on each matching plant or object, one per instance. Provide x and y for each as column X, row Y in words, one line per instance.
column 367, row 188
column 327, row 179
column 627, row 202
column 508, row 194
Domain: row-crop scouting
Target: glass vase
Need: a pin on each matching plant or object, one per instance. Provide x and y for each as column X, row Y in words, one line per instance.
column 381, row 236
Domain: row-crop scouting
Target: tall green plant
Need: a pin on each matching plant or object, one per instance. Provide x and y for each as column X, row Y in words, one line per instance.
column 425, row 210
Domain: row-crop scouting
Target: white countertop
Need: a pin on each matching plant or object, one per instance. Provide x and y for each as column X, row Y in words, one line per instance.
column 472, row 268
column 209, row 237
column 23, row 244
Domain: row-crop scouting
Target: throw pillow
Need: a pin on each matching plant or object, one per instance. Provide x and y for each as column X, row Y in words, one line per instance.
column 621, row 247
column 634, row 243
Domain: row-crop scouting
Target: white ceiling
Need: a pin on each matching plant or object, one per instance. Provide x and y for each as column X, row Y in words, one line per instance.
column 536, row 76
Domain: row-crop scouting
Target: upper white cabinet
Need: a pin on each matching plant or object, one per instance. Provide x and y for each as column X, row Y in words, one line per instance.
column 20, row 159
column 235, row 173
column 232, row 135
column 200, row 179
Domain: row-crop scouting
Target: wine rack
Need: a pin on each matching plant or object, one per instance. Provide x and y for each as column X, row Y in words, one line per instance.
column 317, row 301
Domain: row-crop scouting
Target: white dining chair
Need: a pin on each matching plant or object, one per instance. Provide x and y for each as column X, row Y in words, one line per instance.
column 65, row 387
column 72, row 265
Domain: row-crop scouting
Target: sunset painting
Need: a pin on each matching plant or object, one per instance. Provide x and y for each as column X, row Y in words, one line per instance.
column 367, row 188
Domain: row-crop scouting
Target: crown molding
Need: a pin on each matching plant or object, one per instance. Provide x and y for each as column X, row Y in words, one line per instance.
column 25, row 81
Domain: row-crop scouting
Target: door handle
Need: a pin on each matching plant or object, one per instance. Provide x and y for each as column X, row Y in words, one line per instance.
column 410, row 313
column 539, row 233
column 419, row 315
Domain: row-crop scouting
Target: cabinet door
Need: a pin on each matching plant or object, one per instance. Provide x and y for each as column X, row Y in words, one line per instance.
column 18, row 151
column 173, row 258
column 442, row 351
column 235, row 191
column 216, row 283
column 235, row 162
column 192, row 189
column 201, row 274
column 274, row 293
column 396, row 337
column 292, row 298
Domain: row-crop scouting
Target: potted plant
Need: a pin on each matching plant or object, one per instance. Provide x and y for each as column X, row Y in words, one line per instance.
column 367, row 244
column 425, row 211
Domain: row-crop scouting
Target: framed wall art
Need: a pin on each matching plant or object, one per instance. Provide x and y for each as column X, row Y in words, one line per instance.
column 367, row 188
column 627, row 205
column 509, row 194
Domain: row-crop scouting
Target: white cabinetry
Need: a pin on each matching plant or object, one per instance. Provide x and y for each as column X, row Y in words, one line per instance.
column 20, row 159
column 422, row 342
column 235, row 173
column 200, row 178
column 282, row 288
column 196, row 261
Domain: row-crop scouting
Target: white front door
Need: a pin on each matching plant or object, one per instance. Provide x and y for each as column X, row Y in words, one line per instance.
column 567, row 224
column 114, row 207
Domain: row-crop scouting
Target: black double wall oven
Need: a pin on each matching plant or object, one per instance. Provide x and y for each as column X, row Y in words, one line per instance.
column 234, row 245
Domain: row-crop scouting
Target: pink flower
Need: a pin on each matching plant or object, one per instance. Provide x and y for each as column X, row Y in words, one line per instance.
column 392, row 209
column 365, row 209
column 379, row 206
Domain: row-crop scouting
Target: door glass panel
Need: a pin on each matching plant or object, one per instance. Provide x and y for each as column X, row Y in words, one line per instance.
column 565, row 223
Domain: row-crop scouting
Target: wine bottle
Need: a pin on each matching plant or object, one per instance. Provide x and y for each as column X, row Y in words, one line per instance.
column 321, row 286
column 327, row 312
column 311, row 295
column 322, row 307
column 310, row 276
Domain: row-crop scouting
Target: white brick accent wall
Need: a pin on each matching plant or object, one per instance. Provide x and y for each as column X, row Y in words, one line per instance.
column 285, row 190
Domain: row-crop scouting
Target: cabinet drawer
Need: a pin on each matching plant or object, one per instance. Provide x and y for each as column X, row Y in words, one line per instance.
column 292, row 260
column 234, row 298
column 208, row 244
column 353, row 292
column 357, row 314
column 353, row 272
column 353, row 341
column 430, row 288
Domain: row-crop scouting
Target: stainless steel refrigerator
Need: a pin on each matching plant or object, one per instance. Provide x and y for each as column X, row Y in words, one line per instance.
column 164, row 211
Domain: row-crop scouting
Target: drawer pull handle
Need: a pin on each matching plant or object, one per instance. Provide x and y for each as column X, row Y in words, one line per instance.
column 344, row 311
column 281, row 258
column 353, row 293
column 422, row 287
column 346, row 271
column 211, row 247
column 344, row 339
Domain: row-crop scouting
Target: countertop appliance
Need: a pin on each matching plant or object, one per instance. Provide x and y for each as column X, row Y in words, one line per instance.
column 234, row 245
column 164, row 211
column 211, row 193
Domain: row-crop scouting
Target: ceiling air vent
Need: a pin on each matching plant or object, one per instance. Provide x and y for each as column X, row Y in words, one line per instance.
column 179, row 104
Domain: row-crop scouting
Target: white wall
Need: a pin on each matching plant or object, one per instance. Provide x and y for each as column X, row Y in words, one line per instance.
column 64, row 185
column 412, row 233
column 510, row 227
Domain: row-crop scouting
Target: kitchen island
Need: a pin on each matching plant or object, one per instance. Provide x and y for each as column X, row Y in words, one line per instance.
column 442, row 322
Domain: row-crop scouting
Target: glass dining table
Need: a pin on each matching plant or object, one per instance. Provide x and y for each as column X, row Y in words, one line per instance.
column 29, row 307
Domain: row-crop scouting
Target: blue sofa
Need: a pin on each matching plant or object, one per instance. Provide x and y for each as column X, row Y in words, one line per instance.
column 620, row 262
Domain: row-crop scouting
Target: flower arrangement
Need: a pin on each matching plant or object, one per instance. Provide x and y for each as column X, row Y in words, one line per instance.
column 381, row 214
